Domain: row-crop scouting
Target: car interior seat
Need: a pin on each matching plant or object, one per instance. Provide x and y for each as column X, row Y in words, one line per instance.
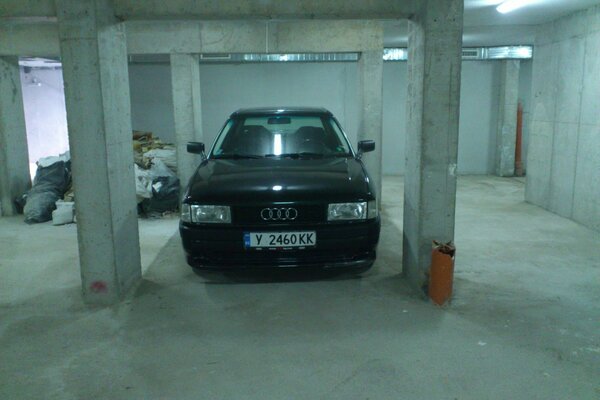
column 310, row 139
column 254, row 139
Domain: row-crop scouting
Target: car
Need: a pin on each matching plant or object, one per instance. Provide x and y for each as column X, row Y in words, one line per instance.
column 280, row 187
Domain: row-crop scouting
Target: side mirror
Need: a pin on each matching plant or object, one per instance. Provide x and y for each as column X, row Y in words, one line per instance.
column 195, row 147
column 365, row 146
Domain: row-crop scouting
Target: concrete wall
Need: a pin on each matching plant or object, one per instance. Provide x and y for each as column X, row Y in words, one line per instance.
column 227, row 87
column 478, row 107
column 332, row 85
column 152, row 100
column 564, row 147
column 478, row 117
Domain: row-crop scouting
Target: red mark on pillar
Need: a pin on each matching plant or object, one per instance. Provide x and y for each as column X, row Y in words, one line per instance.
column 99, row 287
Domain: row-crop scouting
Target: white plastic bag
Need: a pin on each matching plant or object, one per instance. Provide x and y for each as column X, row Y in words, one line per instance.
column 64, row 213
column 143, row 184
column 167, row 155
column 159, row 168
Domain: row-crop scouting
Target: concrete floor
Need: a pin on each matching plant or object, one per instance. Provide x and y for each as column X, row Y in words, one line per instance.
column 524, row 322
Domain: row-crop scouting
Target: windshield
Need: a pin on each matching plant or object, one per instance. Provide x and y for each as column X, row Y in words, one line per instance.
column 293, row 136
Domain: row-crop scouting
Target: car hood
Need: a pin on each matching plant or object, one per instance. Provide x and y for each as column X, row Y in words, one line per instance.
column 279, row 180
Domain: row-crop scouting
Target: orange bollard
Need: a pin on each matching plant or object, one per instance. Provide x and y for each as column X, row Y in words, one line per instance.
column 441, row 273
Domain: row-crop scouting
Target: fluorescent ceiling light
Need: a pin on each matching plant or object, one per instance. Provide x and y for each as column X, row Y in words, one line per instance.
column 511, row 5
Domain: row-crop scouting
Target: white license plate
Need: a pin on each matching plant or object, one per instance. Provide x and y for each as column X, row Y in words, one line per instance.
column 279, row 240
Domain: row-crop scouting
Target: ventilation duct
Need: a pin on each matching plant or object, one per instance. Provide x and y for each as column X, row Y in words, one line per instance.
column 215, row 57
column 471, row 53
column 508, row 52
column 389, row 54
column 296, row 57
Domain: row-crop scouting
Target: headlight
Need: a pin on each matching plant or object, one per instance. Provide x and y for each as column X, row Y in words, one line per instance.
column 206, row 214
column 347, row 211
column 373, row 211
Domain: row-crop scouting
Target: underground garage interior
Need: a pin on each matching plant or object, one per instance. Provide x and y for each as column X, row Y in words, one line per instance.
column 456, row 257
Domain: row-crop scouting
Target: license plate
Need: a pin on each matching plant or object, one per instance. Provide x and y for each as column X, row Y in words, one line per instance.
column 279, row 240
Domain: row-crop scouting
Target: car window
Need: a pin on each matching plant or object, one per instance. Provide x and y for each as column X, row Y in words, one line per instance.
column 281, row 136
column 222, row 135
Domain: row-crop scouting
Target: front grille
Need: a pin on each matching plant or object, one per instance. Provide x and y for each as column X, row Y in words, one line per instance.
column 253, row 215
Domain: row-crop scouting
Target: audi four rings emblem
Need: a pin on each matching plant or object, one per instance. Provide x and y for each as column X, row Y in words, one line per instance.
column 279, row 214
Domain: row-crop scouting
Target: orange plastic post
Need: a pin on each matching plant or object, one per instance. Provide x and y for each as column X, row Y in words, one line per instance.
column 441, row 274
column 518, row 161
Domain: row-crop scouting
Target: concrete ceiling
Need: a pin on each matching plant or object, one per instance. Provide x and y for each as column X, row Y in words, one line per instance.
column 484, row 26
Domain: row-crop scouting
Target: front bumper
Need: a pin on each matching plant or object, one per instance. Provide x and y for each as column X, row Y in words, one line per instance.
column 339, row 245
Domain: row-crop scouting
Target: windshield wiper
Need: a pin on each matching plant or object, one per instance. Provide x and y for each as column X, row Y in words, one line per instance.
column 303, row 154
column 236, row 156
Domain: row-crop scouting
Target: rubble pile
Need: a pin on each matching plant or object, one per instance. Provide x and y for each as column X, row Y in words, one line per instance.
column 147, row 148
column 157, row 186
column 156, row 182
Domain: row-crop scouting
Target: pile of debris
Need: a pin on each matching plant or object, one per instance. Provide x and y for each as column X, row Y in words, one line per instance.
column 156, row 182
column 147, row 148
column 157, row 186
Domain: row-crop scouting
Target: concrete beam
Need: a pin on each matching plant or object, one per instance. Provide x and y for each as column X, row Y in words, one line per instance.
column 20, row 38
column 30, row 9
column 370, row 69
column 506, row 136
column 434, row 65
column 252, row 36
column 324, row 36
column 264, row 9
column 165, row 37
column 94, row 57
column 228, row 9
column 14, row 158
column 187, row 110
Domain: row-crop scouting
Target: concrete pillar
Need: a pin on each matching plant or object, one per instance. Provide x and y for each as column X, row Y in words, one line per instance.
column 187, row 109
column 94, row 59
column 434, row 64
column 507, row 118
column 14, row 159
column 370, row 69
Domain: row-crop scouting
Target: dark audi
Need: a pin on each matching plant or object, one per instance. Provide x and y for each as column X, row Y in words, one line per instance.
column 280, row 188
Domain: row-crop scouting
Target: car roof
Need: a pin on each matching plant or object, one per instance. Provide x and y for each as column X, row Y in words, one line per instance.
column 259, row 111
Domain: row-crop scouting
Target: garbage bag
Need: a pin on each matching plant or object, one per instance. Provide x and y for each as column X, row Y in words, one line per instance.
column 20, row 203
column 159, row 168
column 143, row 183
column 167, row 155
column 48, row 161
column 49, row 185
column 165, row 195
column 64, row 213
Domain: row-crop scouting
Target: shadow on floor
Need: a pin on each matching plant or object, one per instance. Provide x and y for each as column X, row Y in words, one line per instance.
column 170, row 264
